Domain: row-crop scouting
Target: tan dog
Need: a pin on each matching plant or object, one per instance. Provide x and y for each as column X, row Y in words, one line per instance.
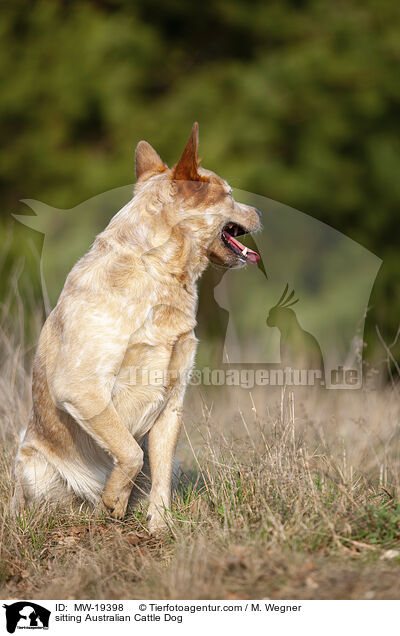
column 129, row 303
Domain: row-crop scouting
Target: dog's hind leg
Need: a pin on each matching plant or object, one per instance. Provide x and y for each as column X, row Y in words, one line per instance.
column 36, row 479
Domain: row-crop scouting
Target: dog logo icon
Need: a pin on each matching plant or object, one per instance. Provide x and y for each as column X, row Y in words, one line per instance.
column 26, row 615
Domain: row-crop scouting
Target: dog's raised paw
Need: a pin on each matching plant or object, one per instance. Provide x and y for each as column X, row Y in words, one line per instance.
column 118, row 512
column 116, row 509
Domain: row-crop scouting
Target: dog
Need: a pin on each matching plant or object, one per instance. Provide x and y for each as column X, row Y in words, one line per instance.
column 128, row 304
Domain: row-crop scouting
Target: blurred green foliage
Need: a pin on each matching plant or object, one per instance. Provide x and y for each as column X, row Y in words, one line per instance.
column 296, row 100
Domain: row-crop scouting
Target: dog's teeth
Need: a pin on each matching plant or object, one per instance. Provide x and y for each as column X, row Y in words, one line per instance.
column 236, row 230
column 244, row 251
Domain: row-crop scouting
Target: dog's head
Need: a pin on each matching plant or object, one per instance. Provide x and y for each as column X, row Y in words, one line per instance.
column 198, row 203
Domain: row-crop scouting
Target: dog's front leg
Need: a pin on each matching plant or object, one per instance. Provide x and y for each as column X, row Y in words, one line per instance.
column 128, row 457
column 112, row 435
column 163, row 436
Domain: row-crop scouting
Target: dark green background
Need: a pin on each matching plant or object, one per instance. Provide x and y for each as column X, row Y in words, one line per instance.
column 297, row 101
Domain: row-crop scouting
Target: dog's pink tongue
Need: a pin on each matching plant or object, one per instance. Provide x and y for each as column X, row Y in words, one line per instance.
column 250, row 255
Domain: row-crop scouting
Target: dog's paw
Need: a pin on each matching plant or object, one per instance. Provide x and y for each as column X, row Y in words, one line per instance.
column 155, row 525
column 157, row 520
column 119, row 511
column 115, row 509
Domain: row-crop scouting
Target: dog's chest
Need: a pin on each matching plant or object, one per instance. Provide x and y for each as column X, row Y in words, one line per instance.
column 170, row 313
column 143, row 384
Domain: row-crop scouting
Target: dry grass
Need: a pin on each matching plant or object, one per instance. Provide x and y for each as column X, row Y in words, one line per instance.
column 286, row 496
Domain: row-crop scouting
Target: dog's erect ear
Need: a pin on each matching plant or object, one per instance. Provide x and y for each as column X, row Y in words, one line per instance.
column 147, row 160
column 187, row 166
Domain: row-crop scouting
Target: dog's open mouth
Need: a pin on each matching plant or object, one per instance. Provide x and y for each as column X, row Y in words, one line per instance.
column 229, row 234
